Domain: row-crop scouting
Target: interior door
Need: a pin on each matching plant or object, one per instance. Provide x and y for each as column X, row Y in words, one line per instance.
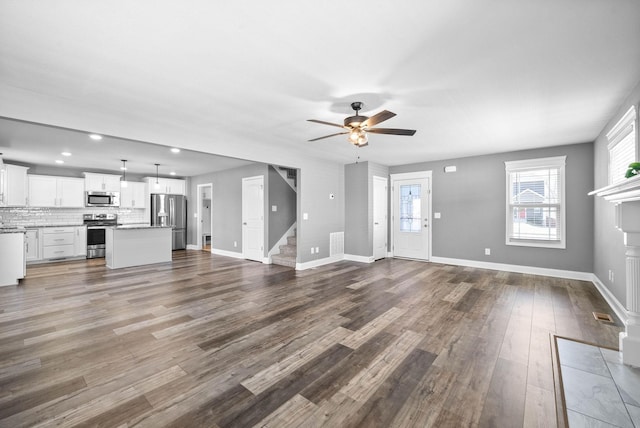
column 379, row 218
column 253, row 218
column 411, row 218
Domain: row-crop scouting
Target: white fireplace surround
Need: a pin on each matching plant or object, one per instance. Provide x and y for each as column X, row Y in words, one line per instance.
column 626, row 197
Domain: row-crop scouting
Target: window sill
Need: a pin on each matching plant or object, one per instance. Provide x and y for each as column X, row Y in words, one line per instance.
column 537, row 244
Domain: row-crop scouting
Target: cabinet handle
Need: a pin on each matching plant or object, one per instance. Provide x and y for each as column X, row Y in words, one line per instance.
column 60, row 239
column 58, row 252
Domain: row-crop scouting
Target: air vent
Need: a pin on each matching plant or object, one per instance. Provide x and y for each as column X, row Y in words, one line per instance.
column 336, row 244
column 599, row 316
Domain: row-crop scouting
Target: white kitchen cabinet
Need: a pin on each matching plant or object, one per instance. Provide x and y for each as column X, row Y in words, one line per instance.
column 58, row 242
column 166, row 185
column 32, row 244
column 94, row 182
column 133, row 196
column 51, row 191
column 12, row 259
column 13, row 186
column 80, row 241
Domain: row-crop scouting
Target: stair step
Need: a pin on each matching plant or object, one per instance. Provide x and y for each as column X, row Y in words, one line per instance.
column 283, row 260
column 290, row 250
column 292, row 240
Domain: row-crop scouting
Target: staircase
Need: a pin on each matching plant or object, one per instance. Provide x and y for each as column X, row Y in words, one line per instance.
column 288, row 253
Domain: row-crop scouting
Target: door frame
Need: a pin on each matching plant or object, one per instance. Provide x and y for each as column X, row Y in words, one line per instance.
column 199, row 189
column 412, row 176
column 380, row 179
column 263, row 259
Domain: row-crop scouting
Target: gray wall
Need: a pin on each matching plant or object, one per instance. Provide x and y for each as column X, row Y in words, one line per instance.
column 358, row 222
column 284, row 198
column 472, row 204
column 226, row 203
column 356, row 209
column 608, row 241
column 316, row 182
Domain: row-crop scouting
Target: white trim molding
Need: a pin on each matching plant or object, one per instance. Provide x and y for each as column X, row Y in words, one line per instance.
column 360, row 259
column 225, row 253
column 532, row 270
column 615, row 304
column 320, row 262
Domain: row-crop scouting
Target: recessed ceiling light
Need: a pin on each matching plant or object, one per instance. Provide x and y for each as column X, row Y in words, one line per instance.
column 59, row 161
column 95, row 137
column 175, row 150
column 65, row 154
column 172, row 173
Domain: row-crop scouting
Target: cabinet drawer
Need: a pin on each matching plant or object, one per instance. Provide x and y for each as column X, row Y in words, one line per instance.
column 52, row 230
column 57, row 239
column 55, row 251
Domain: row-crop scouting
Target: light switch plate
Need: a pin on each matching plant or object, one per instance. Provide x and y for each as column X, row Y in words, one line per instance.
column 436, row 215
column 305, row 216
column 274, row 208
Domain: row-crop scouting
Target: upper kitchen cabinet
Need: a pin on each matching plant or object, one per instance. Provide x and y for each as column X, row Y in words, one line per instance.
column 133, row 196
column 166, row 185
column 13, row 185
column 61, row 192
column 101, row 182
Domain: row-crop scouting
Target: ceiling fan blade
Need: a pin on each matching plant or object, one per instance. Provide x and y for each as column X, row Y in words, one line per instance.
column 377, row 118
column 327, row 136
column 325, row 123
column 392, row 131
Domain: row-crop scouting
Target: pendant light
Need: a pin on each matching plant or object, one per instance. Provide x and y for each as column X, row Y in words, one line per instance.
column 123, row 183
column 157, row 182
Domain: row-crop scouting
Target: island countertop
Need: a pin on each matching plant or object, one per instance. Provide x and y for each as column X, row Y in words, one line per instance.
column 140, row 226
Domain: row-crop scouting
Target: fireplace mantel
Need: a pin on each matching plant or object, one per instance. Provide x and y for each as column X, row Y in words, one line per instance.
column 626, row 198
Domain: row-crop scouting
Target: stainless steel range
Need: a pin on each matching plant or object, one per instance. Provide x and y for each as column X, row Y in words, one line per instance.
column 96, row 225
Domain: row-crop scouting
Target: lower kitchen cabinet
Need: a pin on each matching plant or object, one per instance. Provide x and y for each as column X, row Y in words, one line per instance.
column 55, row 243
column 32, row 244
column 58, row 242
column 80, row 242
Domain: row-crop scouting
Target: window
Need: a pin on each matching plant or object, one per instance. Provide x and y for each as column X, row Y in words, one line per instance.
column 535, row 202
column 622, row 146
column 410, row 203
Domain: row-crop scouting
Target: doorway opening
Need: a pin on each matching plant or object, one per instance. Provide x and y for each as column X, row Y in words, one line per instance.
column 205, row 216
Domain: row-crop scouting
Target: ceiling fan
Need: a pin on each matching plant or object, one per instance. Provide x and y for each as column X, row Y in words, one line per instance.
column 358, row 126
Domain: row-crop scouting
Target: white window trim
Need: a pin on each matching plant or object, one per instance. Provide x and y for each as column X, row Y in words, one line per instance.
column 532, row 164
column 626, row 125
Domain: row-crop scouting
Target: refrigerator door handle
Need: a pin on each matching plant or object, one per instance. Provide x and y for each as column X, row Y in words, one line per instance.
column 172, row 214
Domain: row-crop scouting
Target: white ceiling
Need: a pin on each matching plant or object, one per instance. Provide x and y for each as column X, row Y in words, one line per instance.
column 240, row 78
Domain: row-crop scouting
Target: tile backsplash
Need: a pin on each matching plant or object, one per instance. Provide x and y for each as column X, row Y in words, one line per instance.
column 64, row 216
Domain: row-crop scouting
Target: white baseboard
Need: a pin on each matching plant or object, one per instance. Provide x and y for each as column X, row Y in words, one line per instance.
column 193, row 247
column 558, row 273
column 615, row 304
column 319, row 262
column 227, row 253
column 361, row 259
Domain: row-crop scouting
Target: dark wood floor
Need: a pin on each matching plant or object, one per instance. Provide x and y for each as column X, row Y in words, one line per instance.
column 218, row 342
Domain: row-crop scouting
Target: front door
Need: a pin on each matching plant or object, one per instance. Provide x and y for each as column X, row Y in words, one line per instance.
column 379, row 218
column 253, row 218
column 411, row 217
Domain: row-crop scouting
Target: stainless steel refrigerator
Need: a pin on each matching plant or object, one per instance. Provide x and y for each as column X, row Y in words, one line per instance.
column 171, row 210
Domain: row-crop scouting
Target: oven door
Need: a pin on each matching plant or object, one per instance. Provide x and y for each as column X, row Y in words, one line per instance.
column 95, row 241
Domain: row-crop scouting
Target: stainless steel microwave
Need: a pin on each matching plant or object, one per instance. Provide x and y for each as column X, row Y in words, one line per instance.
column 102, row 199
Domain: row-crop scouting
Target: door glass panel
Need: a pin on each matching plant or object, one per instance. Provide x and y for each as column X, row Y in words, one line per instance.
column 410, row 214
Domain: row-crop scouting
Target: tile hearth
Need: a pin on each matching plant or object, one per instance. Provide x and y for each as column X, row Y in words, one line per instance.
column 599, row 391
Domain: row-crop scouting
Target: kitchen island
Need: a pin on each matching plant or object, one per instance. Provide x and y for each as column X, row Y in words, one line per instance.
column 12, row 255
column 137, row 245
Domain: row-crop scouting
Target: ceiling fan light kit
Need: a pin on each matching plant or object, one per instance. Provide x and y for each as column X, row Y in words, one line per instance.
column 358, row 126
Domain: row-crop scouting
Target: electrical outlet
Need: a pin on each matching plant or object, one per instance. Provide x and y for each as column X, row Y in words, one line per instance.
column 312, row 249
column 487, row 251
column 317, row 250
column 613, row 278
column 235, row 243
